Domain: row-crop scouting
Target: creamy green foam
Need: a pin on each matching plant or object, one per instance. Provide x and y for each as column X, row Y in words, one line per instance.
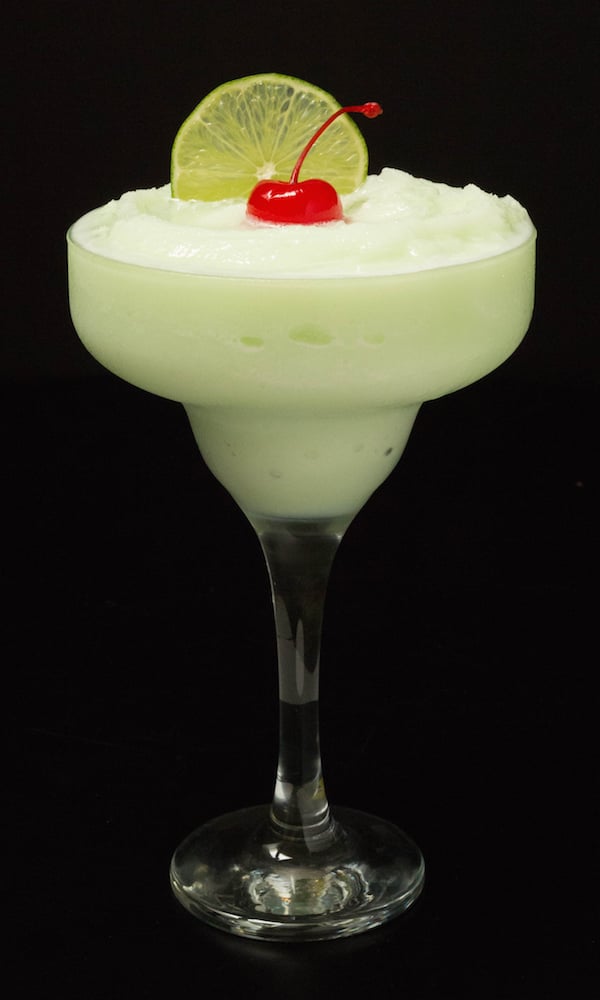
column 302, row 353
column 393, row 224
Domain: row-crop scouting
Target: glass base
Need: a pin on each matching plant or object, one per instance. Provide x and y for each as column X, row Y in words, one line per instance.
column 237, row 873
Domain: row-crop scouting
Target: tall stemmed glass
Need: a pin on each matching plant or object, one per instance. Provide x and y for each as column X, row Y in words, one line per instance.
column 301, row 394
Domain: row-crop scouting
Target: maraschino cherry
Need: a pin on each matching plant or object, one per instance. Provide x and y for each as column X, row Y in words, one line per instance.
column 303, row 202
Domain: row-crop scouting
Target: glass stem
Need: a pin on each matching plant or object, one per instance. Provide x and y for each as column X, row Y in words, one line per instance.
column 299, row 557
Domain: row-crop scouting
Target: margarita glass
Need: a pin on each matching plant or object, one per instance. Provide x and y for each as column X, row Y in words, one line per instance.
column 301, row 393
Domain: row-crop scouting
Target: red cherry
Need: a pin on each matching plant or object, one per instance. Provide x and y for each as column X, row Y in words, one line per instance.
column 283, row 202
column 306, row 202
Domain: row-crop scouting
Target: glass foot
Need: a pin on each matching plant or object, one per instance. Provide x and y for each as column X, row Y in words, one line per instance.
column 237, row 873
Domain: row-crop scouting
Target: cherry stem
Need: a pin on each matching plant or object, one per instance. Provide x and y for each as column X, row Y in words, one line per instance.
column 370, row 110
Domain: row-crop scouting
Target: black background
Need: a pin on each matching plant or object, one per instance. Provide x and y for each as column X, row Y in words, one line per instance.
column 458, row 676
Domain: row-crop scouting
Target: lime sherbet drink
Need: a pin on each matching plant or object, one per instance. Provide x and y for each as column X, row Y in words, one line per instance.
column 301, row 323
column 302, row 353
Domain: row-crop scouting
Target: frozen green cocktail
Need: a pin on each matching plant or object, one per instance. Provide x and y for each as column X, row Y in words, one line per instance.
column 301, row 350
